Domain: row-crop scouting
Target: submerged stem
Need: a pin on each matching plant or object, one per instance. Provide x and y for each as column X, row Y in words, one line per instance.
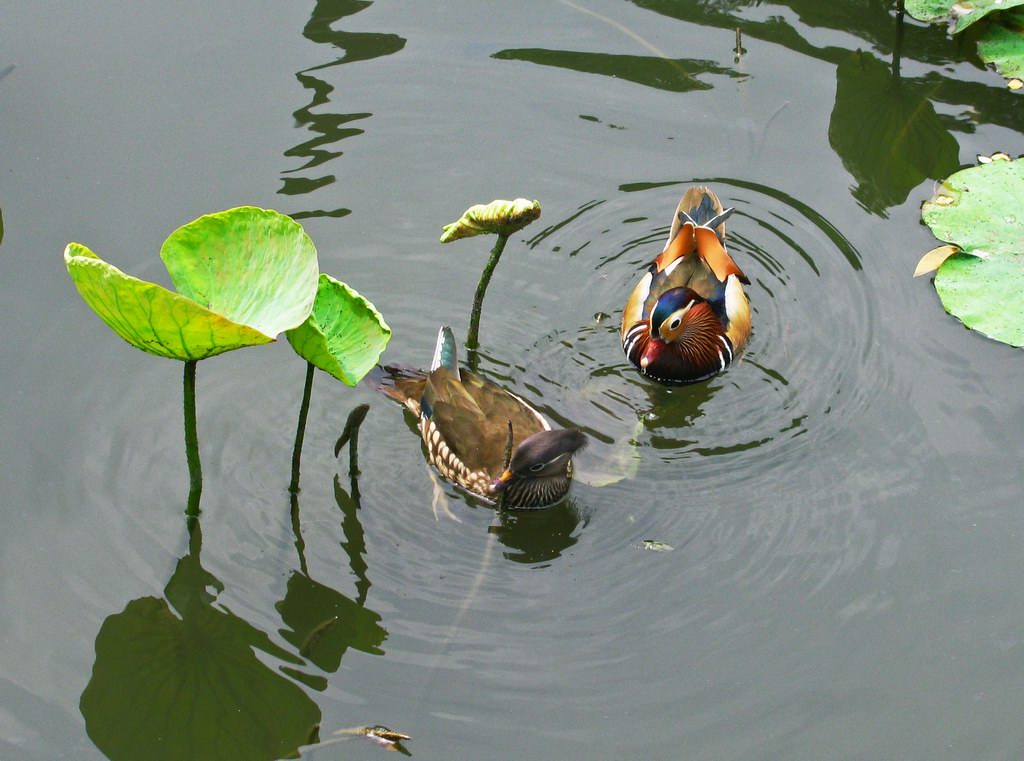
column 195, row 468
column 300, row 430
column 472, row 340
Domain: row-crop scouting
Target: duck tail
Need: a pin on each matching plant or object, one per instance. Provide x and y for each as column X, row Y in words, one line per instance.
column 701, row 207
column 396, row 382
column 446, row 352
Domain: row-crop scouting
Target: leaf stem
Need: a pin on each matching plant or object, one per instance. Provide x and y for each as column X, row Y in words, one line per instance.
column 300, row 430
column 195, row 468
column 472, row 341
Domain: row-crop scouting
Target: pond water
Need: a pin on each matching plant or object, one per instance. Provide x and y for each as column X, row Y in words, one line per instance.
column 843, row 506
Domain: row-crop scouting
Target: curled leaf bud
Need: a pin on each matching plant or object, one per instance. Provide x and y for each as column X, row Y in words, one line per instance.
column 497, row 217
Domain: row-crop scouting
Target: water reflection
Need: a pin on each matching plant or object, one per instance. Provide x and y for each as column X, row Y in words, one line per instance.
column 673, row 74
column 176, row 677
column 330, row 128
column 884, row 126
column 538, row 536
column 323, row 623
column 886, row 132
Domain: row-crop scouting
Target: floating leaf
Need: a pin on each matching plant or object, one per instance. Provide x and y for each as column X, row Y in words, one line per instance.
column 254, row 266
column 149, row 316
column 960, row 14
column 934, row 259
column 497, row 217
column 344, row 335
column 655, row 546
column 1002, row 43
column 979, row 209
column 243, row 276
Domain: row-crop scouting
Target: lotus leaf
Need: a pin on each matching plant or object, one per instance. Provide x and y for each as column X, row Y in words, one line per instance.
column 979, row 210
column 961, row 14
column 243, row 276
column 1002, row 43
column 254, row 266
column 497, row 217
column 151, row 317
column 344, row 335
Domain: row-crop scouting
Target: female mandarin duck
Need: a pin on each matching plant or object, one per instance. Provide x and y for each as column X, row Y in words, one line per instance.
column 463, row 420
column 689, row 317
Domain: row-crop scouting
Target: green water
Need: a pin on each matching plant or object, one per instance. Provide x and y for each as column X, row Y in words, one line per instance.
column 843, row 505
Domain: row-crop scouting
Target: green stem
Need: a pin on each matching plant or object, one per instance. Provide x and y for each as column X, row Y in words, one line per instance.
column 195, row 468
column 300, row 431
column 472, row 341
column 300, row 543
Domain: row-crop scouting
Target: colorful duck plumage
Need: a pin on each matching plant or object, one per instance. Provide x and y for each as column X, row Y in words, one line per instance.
column 463, row 421
column 689, row 317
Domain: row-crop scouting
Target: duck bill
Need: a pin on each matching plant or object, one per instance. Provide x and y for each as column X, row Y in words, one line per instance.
column 502, row 482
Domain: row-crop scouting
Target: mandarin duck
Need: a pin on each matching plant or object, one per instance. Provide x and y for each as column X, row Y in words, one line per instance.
column 688, row 317
column 463, row 421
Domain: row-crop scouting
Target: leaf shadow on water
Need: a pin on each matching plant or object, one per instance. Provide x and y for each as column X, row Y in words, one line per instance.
column 330, row 127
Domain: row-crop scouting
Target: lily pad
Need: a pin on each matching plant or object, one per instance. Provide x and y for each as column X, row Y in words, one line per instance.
column 344, row 335
column 243, row 276
column 961, row 13
column 496, row 217
column 1002, row 43
column 979, row 210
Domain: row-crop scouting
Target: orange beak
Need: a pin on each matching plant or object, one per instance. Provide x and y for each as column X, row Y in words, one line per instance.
column 501, row 482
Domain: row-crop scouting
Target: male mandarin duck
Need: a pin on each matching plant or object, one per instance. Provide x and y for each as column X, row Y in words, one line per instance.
column 463, row 421
column 689, row 317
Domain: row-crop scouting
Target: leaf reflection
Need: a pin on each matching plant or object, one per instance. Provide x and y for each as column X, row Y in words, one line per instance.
column 673, row 74
column 330, row 128
column 873, row 114
column 176, row 678
column 887, row 134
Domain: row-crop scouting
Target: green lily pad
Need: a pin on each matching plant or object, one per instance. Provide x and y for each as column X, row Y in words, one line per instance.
column 243, row 276
column 254, row 266
column 497, row 217
column 1002, row 43
column 344, row 335
column 961, row 13
column 979, row 209
column 149, row 316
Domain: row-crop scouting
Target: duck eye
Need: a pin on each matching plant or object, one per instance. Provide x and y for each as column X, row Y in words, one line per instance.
column 537, row 467
column 675, row 323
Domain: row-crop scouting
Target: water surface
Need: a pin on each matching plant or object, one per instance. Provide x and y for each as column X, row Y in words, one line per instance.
column 843, row 505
